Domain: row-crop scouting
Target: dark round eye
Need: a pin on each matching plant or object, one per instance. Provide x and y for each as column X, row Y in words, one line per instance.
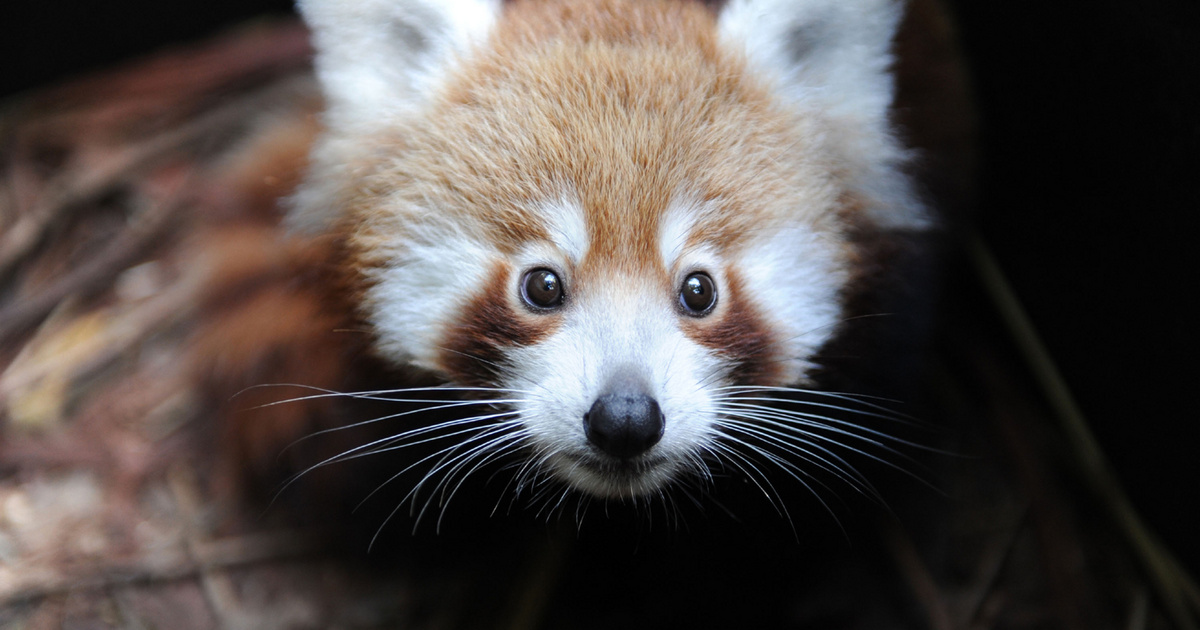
column 542, row 289
column 698, row 294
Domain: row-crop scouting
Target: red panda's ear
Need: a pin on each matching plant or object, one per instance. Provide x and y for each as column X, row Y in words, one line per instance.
column 377, row 59
column 380, row 63
column 832, row 59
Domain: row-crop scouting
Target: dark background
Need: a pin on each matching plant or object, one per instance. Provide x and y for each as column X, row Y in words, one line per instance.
column 1090, row 132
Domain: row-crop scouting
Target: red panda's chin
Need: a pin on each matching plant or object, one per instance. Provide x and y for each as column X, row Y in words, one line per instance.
column 609, row 479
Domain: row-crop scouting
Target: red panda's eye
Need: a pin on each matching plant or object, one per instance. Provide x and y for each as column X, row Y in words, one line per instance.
column 698, row 294
column 542, row 289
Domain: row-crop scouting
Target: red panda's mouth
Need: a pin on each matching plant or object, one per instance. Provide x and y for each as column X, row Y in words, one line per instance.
column 622, row 468
column 609, row 477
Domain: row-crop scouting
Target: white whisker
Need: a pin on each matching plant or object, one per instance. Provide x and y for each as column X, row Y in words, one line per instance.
column 439, row 407
column 796, row 419
column 861, row 399
column 443, row 453
column 379, row 394
column 483, row 433
column 841, row 469
column 383, row 445
column 740, row 461
column 793, row 471
column 500, row 446
column 793, row 426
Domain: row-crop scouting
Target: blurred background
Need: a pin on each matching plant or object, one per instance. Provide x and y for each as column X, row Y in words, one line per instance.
column 1090, row 187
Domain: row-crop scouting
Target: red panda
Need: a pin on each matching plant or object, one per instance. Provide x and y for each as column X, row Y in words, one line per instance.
column 615, row 231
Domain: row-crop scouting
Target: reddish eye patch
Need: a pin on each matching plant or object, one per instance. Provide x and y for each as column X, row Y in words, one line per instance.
column 740, row 335
column 473, row 350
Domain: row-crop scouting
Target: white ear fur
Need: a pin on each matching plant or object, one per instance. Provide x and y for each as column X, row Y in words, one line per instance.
column 833, row 58
column 378, row 61
column 380, row 58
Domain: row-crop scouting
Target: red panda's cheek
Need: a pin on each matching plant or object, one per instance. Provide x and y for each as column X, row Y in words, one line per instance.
column 740, row 334
column 474, row 347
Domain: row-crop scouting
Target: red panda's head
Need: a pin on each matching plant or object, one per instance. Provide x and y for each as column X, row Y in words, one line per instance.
column 611, row 214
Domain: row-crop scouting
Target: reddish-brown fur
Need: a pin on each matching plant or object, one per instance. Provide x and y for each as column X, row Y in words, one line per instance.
column 472, row 346
column 740, row 335
column 275, row 314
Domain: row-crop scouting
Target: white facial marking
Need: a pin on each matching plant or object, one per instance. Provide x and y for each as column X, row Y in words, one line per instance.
column 677, row 224
column 422, row 290
column 794, row 277
column 565, row 221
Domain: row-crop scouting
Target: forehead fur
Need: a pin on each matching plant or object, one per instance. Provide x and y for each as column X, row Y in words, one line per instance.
column 618, row 106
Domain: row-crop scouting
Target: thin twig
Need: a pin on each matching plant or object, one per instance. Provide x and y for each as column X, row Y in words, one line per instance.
column 919, row 579
column 1172, row 584
column 990, row 569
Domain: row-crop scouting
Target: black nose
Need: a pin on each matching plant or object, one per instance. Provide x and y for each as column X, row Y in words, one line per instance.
column 624, row 424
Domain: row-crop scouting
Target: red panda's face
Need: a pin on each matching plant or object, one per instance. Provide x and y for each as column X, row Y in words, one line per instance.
column 612, row 269
column 605, row 217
